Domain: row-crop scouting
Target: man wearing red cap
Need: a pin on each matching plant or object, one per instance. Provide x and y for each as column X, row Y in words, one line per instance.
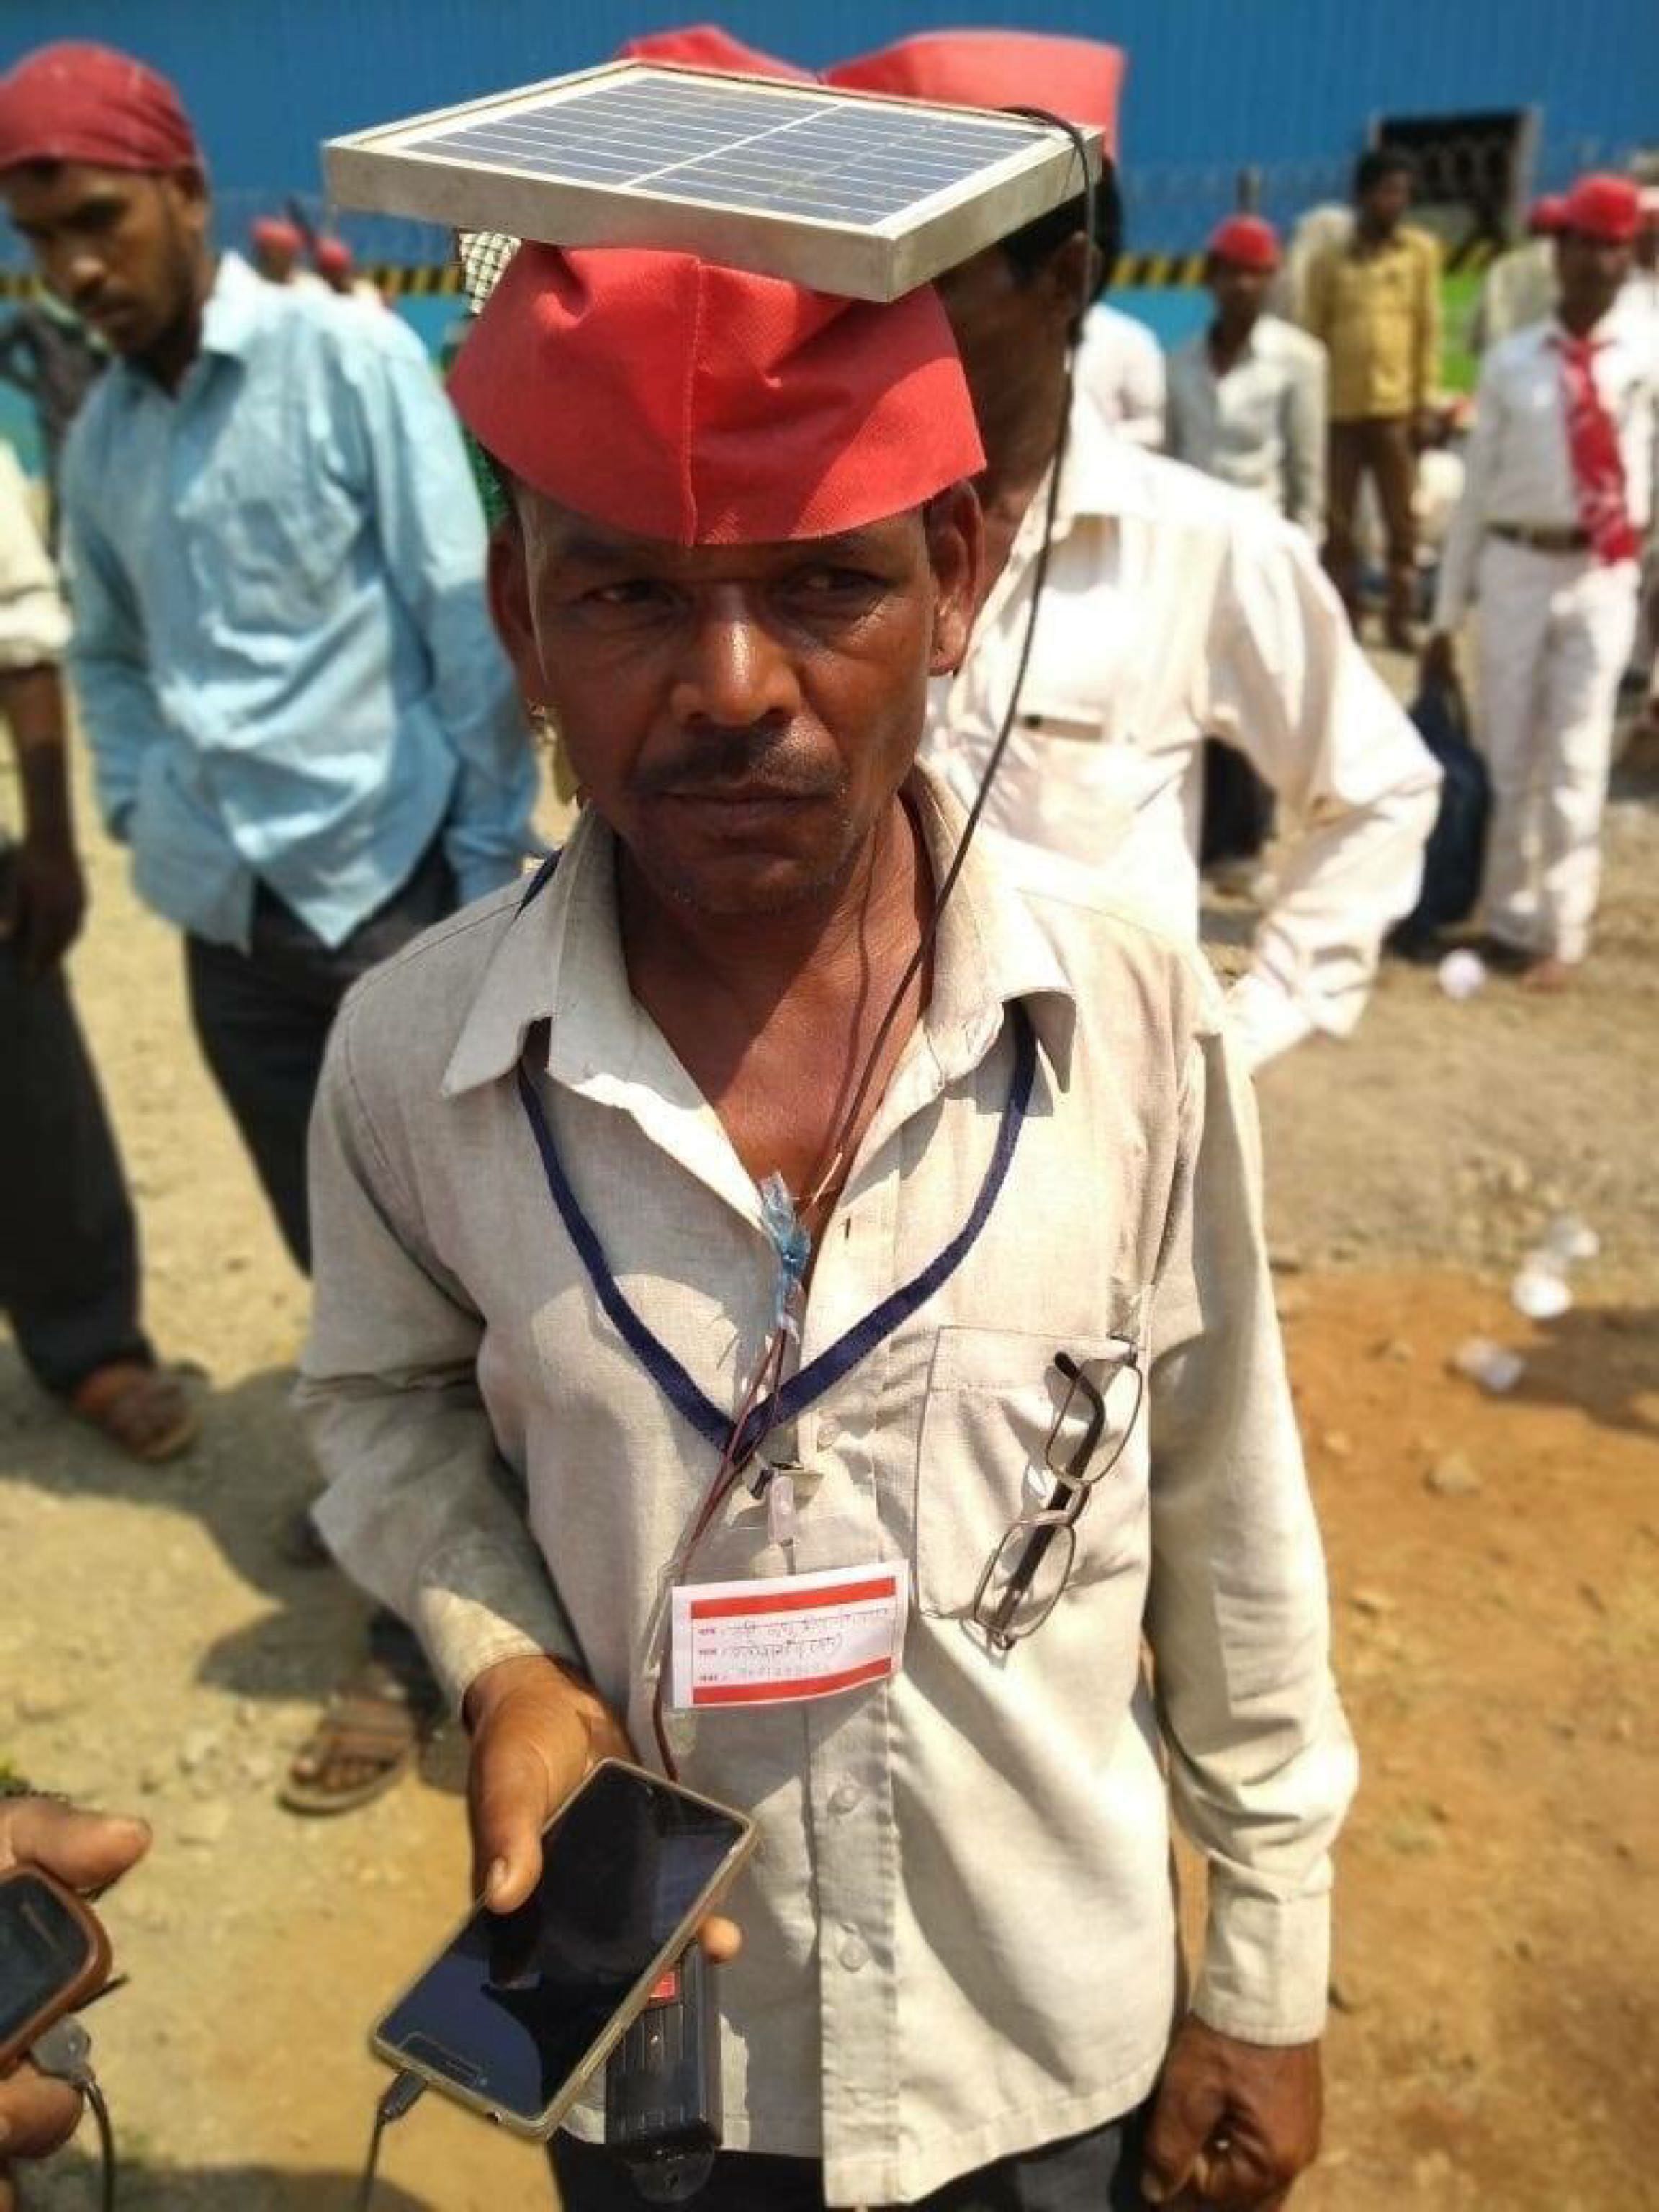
column 735, row 1205
column 1247, row 396
column 302, row 721
column 278, row 245
column 1176, row 609
column 1558, row 499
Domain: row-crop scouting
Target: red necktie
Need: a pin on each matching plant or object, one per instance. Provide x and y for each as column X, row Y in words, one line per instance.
column 1598, row 466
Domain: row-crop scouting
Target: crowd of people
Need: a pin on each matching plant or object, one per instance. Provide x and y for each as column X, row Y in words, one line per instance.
column 772, row 568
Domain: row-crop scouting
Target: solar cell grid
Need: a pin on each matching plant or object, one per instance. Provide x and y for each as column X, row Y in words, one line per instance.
column 833, row 160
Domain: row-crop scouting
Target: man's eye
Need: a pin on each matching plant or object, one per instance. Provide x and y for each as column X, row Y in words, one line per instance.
column 638, row 592
column 836, row 583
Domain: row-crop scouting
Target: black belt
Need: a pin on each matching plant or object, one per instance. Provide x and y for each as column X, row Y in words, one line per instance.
column 1554, row 540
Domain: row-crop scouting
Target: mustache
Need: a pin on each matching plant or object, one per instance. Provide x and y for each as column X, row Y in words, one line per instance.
column 722, row 758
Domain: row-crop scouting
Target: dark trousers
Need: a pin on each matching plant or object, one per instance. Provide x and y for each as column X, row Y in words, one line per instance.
column 1099, row 2172
column 69, row 1246
column 1382, row 449
column 262, row 1017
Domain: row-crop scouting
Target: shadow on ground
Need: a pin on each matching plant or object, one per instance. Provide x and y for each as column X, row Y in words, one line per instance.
column 1602, row 1359
column 69, row 2183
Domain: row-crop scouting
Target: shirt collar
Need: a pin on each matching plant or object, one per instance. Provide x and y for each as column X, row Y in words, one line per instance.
column 560, row 960
column 235, row 308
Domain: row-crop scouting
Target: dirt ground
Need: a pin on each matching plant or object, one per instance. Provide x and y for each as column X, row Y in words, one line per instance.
column 1495, row 1564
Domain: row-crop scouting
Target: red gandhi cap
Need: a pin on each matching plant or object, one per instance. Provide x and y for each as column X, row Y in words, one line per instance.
column 333, row 257
column 1608, row 209
column 669, row 396
column 79, row 102
column 1080, row 79
column 1246, row 241
column 1547, row 214
column 275, row 230
column 708, row 45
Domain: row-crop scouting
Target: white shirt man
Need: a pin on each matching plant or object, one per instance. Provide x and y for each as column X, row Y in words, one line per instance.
column 1558, row 613
column 1176, row 609
column 1247, row 394
column 1120, row 365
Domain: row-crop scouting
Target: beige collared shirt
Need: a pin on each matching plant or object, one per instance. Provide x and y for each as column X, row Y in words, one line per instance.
column 1178, row 609
column 959, row 1936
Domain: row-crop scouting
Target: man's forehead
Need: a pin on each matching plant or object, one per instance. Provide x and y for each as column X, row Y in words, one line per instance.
column 565, row 535
column 60, row 188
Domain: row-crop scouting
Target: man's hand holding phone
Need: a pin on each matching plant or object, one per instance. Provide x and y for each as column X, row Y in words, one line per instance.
column 537, row 1729
column 85, row 1852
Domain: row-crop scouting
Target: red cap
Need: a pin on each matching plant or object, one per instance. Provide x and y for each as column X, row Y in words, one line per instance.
column 1605, row 208
column 1078, row 78
column 1246, row 241
column 706, row 45
column 669, row 396
column 77, row 102
column 1547, row 215
column 332, row 257
column 276, row 231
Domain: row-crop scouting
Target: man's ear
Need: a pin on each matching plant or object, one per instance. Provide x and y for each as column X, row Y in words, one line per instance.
column 956, row 549
column 508, row 577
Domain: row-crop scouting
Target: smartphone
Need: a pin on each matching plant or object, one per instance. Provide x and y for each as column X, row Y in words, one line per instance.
column 53, row 1955
column 519, row 2008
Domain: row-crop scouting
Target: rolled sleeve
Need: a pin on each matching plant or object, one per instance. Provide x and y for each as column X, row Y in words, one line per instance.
column 1262, row 1764
column 33, row 620
column 1291, row 690
column 421, row 1508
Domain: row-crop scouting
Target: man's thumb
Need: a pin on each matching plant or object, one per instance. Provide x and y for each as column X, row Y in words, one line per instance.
column 508, row 1790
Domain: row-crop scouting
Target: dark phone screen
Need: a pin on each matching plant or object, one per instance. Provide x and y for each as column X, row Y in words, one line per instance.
column 517, row 2001
column 43, row 1946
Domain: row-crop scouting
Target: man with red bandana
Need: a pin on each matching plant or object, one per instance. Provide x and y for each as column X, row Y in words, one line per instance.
column 731, row 1205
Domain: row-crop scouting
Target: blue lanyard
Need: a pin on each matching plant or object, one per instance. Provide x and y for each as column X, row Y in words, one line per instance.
column 808, row 1383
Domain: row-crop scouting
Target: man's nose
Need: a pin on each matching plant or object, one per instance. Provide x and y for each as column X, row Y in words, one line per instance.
column 735, row 672
column 74, row 271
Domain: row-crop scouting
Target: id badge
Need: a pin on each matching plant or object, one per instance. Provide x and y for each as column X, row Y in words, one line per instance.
column 785, row 1639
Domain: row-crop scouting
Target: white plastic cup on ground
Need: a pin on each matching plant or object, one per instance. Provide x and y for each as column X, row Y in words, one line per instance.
column 1461, row 974
column 1570, row 1241
column 1540, row 1289
column 1494, row 1366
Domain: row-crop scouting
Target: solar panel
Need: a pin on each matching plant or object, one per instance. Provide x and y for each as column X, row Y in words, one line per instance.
column 848, row 192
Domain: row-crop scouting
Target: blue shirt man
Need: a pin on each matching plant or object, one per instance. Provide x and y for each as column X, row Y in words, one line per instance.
column 282, row 651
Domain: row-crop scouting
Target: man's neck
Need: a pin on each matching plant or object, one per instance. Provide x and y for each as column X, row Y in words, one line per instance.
column 1373, row 236
column 1020, row 423
column 169, row 362
column 1580, row 317
column 1229, row 340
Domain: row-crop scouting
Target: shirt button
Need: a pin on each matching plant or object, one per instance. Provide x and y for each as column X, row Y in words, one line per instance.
column 855, row 1951
column 844, row 1797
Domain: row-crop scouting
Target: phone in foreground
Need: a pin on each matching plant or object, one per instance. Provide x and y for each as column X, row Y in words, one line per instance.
column 53, row 1955
column 518, row 2008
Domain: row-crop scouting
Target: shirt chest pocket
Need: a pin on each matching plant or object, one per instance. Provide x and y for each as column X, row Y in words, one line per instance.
column 276, row 530
column 985, row 1456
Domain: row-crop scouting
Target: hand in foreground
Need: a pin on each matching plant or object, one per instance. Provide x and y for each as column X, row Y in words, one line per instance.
column 87, row 1851
column 47, row 903
column 1233, row 2124
column 536, row 1731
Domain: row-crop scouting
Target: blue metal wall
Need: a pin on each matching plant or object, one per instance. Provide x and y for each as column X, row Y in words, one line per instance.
column 1212, row 84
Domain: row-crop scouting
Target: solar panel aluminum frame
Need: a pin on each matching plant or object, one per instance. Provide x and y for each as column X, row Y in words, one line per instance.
column 383, row 171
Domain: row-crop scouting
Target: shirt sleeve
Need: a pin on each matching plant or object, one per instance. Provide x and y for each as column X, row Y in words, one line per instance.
column 1426, row 374
column 1454, row 592
column 108, row 658
column 33, row 620
column 1262, row 1764
column 432, row 534
column 1304, row 444
column 420, row 1507
column 1358, row 787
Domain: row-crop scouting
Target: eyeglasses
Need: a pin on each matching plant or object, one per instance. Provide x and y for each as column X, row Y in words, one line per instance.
column 1032, row 1566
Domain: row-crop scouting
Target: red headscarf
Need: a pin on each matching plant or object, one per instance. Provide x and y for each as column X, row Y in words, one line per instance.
column 1080, row 79
column 666, row 396
column 1608, row 209
column 706, row 45
column 1246, row 241
column 76, row 102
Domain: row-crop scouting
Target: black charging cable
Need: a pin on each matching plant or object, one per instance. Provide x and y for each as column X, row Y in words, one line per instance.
column 405, row 2093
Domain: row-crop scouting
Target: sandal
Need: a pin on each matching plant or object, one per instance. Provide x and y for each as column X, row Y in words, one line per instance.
column 143, row 1411
column 367, row 1739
